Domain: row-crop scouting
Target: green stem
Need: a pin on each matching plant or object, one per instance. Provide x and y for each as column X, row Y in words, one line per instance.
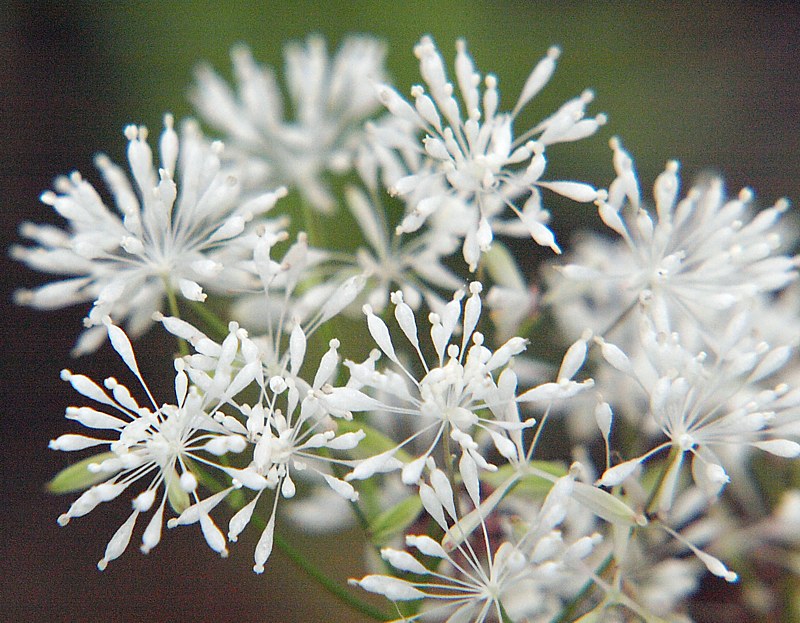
column 504, row 615
column 570, row 608
column 172, row 300
column 328, row 583
column 212, row 321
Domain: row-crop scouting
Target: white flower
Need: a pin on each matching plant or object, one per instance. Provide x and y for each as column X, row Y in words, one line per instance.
column 289, row 427
column 702, row 402
column 469, row 577
column 457, row 398
column 690, row 263
column 412, row 264
column 330, row 99
column 173, row 230
column 160, row 445
column 475, row 161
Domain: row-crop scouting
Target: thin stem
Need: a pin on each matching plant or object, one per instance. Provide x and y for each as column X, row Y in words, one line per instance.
column 569, row 609
column 172, row 300
column 212, row 321
column 328, row 583
column 504, row 615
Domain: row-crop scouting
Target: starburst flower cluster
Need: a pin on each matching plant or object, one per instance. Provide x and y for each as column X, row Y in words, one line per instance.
column 585, row 447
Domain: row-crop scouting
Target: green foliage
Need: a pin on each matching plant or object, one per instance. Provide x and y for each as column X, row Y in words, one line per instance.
column 78, row 477
column 395, row 520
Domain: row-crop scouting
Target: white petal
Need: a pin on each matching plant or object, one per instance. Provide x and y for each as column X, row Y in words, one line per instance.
column 119, row 542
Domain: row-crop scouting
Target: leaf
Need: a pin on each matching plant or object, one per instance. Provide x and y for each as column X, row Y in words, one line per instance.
column 77, row 477
column 530, row 485
column 607, row 506
column 178, row 498
column 374, row 443
column 395, row 520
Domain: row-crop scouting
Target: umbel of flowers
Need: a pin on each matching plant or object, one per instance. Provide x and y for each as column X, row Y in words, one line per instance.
column 386, row 380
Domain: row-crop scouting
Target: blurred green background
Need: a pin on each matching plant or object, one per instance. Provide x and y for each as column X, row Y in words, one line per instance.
column 713, row 84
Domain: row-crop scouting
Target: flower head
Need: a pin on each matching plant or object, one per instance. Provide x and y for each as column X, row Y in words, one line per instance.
column 289, row 428
column 330, row 99
column 158, row 444
column 467, row 394
column 173, row 230
column 474, row 161
column 469, row 576
column 690, row 263
column 709, row 405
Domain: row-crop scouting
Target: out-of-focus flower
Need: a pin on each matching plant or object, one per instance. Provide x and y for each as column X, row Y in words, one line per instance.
column 413, row 264
column 702, row 402
column 690, row 265
column 330, row 99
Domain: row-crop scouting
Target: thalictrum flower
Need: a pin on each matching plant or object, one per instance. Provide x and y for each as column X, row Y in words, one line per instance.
column 476, row 161
column 468, row 577
column 330, row 99
column 690, row 263
column 174, row 230
column 159, row 444
column 289, row 426
column 457, row 397
column 703, row 402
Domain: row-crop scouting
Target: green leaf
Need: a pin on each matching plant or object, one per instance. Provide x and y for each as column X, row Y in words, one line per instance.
column 77, row 477
column 178, row 498
column 374, row 443
column 395, row 520
column 530, row 485
column 606, row 506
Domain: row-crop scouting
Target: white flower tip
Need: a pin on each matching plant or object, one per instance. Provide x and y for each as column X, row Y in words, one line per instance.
column 131, row 132
column 188, row 482
column 169, row 121
column 171, row 523
column 746, row 195
column 554, row 52
column 258, row 568
column 673, row 166
column 63, row 520
column 102, row 564
column 66, row 375
column 157, row 316
column 601, row 119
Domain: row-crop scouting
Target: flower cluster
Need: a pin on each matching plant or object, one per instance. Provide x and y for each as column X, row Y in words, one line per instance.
column 496, row 485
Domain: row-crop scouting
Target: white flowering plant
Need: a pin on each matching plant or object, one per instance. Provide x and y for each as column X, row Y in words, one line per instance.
column 384, row 380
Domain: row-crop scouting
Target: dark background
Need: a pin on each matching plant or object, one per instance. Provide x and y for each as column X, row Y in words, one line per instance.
column 712, row 84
